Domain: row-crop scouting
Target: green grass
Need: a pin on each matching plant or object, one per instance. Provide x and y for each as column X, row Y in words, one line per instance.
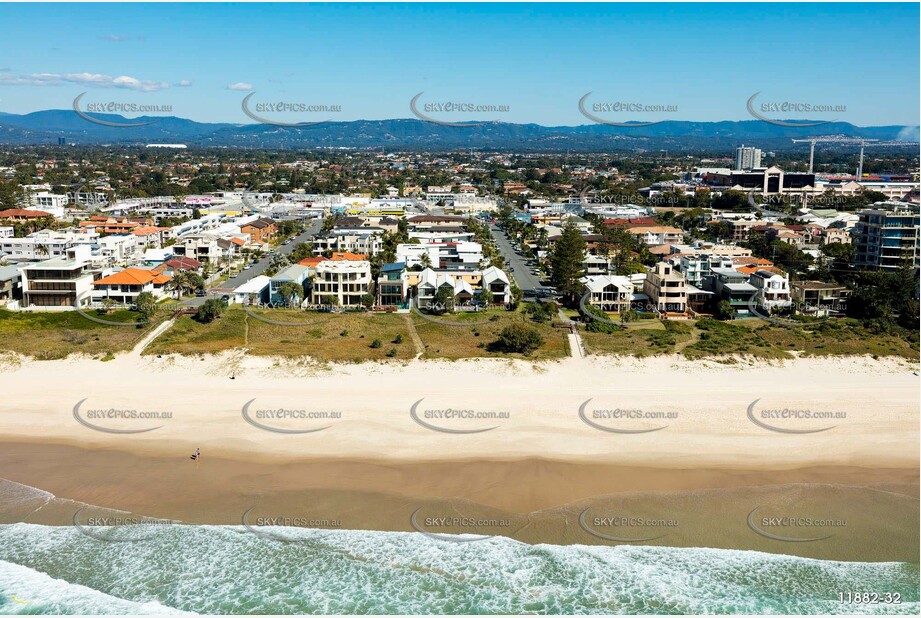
column 339, row 337
column 187, row 336
column 55, row 335
column 650, row 339
column 466, row 340
column 709, row 338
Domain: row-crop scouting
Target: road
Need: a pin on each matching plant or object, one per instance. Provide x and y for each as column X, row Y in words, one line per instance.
column 258, row 269
column 518, row 267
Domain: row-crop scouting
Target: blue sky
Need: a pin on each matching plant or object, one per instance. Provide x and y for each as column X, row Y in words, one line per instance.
column 537, row 59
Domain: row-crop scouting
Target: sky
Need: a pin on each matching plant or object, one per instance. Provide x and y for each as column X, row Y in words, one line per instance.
column 534, row 61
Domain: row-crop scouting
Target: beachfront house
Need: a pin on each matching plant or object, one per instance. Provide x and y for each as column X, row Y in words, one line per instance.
column 608, row 292
column 124, row 286
column 253, row 292
column 728, row 284
column 59, row 283
column 296, row 274
column 773, row 290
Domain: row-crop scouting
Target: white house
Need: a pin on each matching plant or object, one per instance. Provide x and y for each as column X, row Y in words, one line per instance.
column 773, row 290
column 609, row 292
column 125, row 285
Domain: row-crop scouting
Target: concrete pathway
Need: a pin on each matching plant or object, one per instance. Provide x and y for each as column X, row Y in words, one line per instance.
column 138, row 349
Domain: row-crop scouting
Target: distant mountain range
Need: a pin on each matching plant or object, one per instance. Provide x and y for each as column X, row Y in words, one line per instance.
column 45, row 127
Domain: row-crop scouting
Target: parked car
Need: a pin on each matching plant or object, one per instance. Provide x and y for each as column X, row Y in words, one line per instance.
column 201, row 292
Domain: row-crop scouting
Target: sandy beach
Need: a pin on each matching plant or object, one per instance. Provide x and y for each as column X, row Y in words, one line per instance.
column 704, row 451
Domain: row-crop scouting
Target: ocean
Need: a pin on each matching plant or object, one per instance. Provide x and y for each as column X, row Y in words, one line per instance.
column 231, row 569
column 206, row 569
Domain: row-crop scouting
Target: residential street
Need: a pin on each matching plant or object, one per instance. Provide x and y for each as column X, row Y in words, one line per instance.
column 258, row 269
column 516, row 264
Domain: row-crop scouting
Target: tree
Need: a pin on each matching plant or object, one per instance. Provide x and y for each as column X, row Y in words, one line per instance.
column 443, row 300
column 146, row 304
column 210, row 311
column 178, row 282
column 541, row 312
column 519, row 338
column 291, row 292
column 301, row 250
column 566, row 262
column 367, row 300
column 724, row 310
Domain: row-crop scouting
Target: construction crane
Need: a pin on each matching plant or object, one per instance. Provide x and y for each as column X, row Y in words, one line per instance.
column 846, row 140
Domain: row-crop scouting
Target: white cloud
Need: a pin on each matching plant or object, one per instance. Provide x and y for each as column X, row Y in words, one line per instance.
column 85, row 79
column 240, row 86
column 114, row 38
column 184, row 83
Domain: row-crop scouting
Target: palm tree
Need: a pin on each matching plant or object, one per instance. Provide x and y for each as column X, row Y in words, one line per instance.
column 41, row 250
column 178, row 283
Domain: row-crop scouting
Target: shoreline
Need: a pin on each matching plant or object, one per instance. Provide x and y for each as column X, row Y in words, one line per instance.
column 871, row 513
column 701, row 474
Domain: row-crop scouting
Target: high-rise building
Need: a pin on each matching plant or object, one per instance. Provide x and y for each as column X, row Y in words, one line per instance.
column 748, row 157
column 887, row 237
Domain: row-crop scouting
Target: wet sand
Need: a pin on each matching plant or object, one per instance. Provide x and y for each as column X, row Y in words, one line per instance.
column 826, row 512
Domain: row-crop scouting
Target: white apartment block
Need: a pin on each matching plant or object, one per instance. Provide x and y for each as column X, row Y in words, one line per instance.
column 666, row 288
column 367, row 241
column 59, row 283
column 696, row 267
column 204, row 248
column 345, row 280
column 48, row 202
column 44, row 244
column 748, row 157
column 463, row 255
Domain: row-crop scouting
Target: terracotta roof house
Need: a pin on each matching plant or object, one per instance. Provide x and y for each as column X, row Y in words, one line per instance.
column 125, row 285
column 19, row 214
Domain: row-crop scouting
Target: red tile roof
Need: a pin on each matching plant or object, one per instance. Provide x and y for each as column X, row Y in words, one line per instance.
column 133, row 276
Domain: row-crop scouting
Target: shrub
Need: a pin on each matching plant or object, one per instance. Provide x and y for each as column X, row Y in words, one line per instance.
column 210, row 311
column 597, row 321
column 392, row 352
column 376, row 343
column 399, row 339
column 519, row 338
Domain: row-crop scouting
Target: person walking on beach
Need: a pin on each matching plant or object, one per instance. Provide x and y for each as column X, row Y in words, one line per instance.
column 197, row 455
